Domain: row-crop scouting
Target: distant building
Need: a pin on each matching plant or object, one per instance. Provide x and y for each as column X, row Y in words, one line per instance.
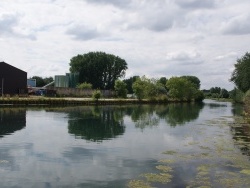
column 12, row 80
column 31, row 82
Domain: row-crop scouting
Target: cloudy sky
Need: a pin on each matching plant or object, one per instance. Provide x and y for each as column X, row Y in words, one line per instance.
column 157, row 38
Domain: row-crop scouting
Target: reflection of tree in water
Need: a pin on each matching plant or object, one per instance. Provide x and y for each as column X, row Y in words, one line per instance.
column 179, row 114
column 11, row 120
column 96, row 123
column 237, row 109
column 241, row 134
column 216, row 105
column 144, row 116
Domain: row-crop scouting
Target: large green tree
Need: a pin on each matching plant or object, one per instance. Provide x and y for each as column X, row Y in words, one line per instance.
column 193, row 79
column 241, row 73
column 183, row 89
column 99, row 69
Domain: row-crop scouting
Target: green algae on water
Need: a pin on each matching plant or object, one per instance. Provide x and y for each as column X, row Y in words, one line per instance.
column 138, row 184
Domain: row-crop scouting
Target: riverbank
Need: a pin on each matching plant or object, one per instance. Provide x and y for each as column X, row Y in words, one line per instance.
column 247, row 106
column 29, row 101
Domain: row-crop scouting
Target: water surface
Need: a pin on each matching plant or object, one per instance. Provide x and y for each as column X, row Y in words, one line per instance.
column 120, row 146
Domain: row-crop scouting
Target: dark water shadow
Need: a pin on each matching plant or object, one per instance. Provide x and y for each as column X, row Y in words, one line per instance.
column 11, row 120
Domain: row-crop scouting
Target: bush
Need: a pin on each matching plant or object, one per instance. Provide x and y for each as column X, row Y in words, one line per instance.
column 121, row 89
column 96, row 95
column 84, row 85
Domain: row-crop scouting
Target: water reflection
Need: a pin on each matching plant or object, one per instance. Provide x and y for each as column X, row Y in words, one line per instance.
column 53, row 149
column 96, row 123
column 179, row 114
column 11, row 120
column 102, row 123
column 144, row 116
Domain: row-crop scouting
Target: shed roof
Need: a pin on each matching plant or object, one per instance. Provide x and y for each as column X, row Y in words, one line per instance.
column 6, row 64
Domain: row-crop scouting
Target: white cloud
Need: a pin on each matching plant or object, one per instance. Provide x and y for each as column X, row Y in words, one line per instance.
column 238, row 25
column 182, row 56
column 156, row 38
column 225, row 56
column 195, row 4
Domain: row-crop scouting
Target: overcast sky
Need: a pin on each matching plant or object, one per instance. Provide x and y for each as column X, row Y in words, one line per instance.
column 157, row 38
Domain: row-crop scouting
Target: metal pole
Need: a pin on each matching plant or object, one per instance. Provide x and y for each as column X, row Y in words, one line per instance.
column 2, row 85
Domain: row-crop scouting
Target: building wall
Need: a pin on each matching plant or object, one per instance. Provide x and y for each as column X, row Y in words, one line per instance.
column 61, row 81
column 14, row 80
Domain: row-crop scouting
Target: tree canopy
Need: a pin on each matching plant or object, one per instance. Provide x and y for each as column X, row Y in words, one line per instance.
column 121, row 88
column 193, row 79
column 182, row 89
column 144, row 87
column 129, row 82
column 241, row 73
column 98, row 68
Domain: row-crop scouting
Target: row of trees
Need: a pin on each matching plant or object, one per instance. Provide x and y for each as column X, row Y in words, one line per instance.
column 180, row 88
column 98, row 70
column 217, row 92
column 103, row 71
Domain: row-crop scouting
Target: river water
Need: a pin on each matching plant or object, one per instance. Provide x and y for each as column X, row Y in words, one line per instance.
column 175, row 145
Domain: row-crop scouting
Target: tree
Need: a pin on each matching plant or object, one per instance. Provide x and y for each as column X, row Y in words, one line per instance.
column 241, row 74
column 130, row 82
column 193, row 79
column 98, row 68
column 120, row 88
column 224, row 93
column 163, row 81
column 215, row 90
column 181, row 88
column 148, row 88
column 139, row 88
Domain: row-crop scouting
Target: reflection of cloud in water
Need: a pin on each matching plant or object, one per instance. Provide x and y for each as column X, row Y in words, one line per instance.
column 102, row 168
column 10, row 161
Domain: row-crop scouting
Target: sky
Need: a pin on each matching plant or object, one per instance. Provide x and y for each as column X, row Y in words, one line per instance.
column 157, row 38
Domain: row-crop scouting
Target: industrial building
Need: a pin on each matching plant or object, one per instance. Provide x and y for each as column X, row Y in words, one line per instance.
column 70, row 80
column 13, row 81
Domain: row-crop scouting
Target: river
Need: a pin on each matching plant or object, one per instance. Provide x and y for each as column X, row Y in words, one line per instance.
column 174, row 145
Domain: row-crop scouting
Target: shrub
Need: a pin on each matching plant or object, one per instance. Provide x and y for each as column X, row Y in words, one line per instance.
column 96, row 95
column 84, row 85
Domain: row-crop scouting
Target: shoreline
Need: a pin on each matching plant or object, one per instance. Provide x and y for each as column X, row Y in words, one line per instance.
column 39, row 101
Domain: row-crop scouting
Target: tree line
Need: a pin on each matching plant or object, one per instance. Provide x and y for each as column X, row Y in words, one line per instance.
column 99, row 70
